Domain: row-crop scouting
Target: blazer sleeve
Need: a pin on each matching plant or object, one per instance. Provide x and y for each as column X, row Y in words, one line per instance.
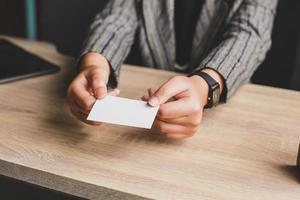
column 244, row 44
column 112, row 34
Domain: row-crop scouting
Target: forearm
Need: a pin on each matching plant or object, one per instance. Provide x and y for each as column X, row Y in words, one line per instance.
column 243, row 45
column 114, row 39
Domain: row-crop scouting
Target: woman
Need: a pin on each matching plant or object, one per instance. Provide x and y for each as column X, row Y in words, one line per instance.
column 218, row 43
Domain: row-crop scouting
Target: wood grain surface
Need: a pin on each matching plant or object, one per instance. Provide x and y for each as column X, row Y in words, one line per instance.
column 245, row 149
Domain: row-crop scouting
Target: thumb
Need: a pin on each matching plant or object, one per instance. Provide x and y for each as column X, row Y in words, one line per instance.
column 168, row 90
column 97, row 79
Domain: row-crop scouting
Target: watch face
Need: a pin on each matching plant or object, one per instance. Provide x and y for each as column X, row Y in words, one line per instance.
column 216, row 96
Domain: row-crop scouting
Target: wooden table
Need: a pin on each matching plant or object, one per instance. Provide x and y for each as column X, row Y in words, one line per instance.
column 245, row 149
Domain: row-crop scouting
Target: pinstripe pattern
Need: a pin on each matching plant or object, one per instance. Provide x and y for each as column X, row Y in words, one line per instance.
column 231, row 36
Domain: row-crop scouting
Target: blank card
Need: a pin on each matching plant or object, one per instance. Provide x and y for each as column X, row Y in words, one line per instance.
column 122, row 111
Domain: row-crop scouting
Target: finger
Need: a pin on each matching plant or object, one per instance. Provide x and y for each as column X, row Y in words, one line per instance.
column 81, row 95
column 151, row 91
column 93, row 123
column 81, row 116
column 75, row 106
column 169, row 129
column 97, row 80
column 168, row 90
column 177, row 136
column 179, row 108
column 114, row 92
column 187, row 121
column 90, row 90
column 145, row 98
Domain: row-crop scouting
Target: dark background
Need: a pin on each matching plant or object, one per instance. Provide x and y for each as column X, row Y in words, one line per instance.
column 65, row 24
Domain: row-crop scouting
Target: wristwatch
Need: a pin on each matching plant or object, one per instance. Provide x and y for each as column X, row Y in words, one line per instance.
column 213, row 98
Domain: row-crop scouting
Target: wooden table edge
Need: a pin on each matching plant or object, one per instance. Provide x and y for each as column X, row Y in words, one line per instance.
column 72, row 186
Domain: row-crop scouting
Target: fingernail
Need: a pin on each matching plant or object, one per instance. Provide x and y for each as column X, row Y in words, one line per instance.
column 154, row 101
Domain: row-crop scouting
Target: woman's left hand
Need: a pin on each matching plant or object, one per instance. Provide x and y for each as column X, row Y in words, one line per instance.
column 181, row 100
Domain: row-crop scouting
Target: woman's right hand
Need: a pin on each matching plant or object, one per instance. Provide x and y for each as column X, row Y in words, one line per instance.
column 89, row 85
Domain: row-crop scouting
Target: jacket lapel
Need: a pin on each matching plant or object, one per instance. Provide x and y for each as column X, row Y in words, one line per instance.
column 160, row 30
column 159, row 25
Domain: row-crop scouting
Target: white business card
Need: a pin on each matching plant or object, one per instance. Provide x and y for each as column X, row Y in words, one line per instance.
column 123, row 111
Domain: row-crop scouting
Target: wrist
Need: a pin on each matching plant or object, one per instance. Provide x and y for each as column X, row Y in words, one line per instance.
column 92, row 60
column 202, row 86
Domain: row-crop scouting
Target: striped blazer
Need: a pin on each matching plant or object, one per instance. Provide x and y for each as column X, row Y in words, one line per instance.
column 231, row 36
